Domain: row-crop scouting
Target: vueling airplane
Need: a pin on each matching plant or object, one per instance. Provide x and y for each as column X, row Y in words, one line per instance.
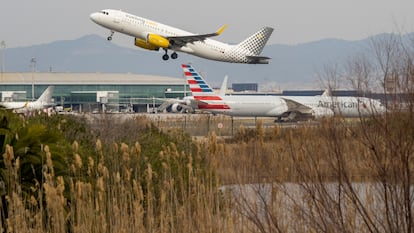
column 27, row 106
column 283, row 107
column 152, row 35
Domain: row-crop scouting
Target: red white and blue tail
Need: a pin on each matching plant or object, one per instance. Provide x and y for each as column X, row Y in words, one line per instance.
column 196, row 83
column 202, row 92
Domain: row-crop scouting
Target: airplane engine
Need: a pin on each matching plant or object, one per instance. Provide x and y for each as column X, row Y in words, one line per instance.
column 320, row 112
column 143, row 44
column 158, row 41
column 188, row 102
column 174, row 108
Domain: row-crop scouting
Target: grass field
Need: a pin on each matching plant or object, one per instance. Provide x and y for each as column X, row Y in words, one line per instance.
column 326, row 176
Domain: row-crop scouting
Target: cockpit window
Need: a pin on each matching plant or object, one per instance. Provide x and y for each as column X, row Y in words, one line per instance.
column 104, row 12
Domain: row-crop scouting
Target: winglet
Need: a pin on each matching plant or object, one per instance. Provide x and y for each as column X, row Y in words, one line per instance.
column 221, row 29
column 327, row 93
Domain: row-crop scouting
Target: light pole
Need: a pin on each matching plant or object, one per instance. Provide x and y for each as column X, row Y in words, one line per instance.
column 3, row 59
column 33, row 62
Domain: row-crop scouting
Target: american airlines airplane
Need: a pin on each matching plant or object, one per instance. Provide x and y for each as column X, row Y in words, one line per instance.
column 152, row 35
column 282, row 107
column 27, row 106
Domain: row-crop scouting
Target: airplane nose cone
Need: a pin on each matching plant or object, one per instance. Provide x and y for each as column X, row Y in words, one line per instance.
column 94, row 17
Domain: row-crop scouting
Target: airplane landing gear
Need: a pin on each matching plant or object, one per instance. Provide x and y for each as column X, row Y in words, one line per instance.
column 165, row 57
column 174, row 55
column 278, row 120
column 110, row 37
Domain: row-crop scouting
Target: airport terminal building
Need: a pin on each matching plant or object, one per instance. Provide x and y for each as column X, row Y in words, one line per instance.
column 86, row 92
column 112, row 92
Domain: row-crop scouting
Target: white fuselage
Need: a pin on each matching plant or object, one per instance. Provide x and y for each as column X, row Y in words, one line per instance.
column 43, row 102
column 23, row 106
column 139, row 27
column 260, row 106
column 275, row 106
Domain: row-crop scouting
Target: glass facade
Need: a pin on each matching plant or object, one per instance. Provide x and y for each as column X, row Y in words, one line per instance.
column 80, row 93
column 102, row 92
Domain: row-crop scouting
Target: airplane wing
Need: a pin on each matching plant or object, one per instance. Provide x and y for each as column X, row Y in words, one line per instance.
column 163, row 106
column 169, row 102
column 182, row 40
column 185, row 104
column 296, row 106
column 166, row 103
column 317, row 112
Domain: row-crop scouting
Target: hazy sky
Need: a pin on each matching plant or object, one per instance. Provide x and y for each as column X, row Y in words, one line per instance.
column 28, row 22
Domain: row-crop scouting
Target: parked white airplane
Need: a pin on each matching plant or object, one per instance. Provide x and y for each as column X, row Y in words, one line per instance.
column 26, row 106
column 152, row 35
column 289, row 107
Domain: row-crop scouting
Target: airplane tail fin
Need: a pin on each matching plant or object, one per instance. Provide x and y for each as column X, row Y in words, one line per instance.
column 250, row 48
column 223, row 87
column 46, row 97
column 202, row 92
column 197, row 84
column 256, row 42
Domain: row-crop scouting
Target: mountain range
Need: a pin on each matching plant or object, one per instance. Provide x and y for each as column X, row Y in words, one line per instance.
column 291, row 66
